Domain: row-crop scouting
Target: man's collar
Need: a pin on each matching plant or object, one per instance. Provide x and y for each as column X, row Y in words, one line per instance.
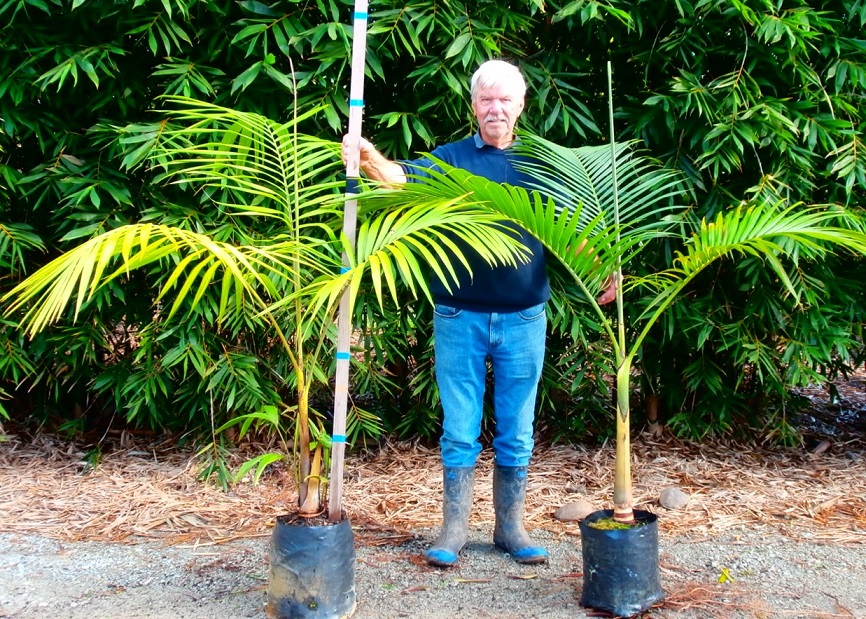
column 480, row 143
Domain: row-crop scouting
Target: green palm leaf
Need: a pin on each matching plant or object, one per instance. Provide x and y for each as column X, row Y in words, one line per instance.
column 770, row 232
column 583, row 177
column 408, row 234
column 196, row 260
column 266, row 167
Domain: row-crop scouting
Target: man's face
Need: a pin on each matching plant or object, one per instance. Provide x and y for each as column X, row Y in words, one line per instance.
column 497, row 109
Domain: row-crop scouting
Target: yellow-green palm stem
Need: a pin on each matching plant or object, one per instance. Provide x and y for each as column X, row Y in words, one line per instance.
column 303, row 438
column 312, row 504
column 622, row 490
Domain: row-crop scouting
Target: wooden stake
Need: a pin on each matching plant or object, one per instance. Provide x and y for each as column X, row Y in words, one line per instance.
column 344, row 321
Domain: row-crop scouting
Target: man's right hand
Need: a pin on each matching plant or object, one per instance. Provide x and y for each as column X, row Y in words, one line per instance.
column 373, row 163
column 366, row 150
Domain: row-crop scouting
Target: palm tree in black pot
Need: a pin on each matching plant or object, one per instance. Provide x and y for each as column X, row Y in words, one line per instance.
column 597, row 209
column 285, row 277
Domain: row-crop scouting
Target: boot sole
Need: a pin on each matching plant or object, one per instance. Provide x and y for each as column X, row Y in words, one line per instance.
column 440, row 562
column 535, row 559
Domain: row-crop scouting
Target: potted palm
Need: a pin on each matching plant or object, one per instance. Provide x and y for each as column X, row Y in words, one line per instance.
column 624, row 203
column 596, row 211
column 289, row 280
column 626, row 206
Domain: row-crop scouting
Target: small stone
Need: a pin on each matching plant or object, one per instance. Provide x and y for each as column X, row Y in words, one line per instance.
column 572, row 512
column 575, row 489
column 673, row 498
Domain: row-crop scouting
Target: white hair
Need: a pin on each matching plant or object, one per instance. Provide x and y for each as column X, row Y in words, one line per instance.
column 496, row 73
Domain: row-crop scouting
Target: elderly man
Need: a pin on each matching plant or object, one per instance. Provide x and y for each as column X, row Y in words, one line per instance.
column 496, row 315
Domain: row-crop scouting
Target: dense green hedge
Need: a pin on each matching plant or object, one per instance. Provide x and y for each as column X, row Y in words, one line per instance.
column 749, row 98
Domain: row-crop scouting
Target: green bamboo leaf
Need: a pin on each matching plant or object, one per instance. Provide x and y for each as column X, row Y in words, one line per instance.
column 242, row 81
column 458, row 45
column 259, row 463
column 252, row 30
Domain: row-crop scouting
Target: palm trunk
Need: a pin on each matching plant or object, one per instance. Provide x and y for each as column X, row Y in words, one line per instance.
column 622, row 502
column 622, row 495
column 312, row 505
column 303, row 438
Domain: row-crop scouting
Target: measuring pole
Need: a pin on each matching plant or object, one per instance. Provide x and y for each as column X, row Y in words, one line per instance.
column 350, row 216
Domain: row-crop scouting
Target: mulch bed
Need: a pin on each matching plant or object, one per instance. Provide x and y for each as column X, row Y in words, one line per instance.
column 144, row 490
column 138, row 492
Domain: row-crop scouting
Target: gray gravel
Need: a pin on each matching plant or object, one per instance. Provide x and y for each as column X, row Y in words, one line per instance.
column 771, row 575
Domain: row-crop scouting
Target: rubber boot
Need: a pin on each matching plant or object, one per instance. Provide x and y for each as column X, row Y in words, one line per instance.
column 509, row 497
column 458, row 483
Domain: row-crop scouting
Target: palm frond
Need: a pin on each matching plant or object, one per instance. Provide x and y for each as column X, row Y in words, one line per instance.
column 769, row 232
column 409, row 233
column 14, row 240
column 74, row 277
column 589, row 247
column 273, row 168
column 570, row 207
column 583, row 178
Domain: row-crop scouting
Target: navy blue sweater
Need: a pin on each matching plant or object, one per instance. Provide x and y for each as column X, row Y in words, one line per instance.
column 489, row 289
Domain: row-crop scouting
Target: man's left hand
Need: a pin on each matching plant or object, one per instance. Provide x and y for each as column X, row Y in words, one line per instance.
column 609, row 293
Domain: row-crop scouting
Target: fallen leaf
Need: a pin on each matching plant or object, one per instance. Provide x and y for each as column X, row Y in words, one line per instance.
column 725, row 576
column 523, row 576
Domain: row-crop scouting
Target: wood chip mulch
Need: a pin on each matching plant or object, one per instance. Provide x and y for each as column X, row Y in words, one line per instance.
column 136, row 493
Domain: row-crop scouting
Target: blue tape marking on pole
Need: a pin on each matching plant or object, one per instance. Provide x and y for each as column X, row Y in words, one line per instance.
column 352, row 184
column 338, row 438
column 360, row 15
column 344, row 270
column 342, row 356
column 356, row 103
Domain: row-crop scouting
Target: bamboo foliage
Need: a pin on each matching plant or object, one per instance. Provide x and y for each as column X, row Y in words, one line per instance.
column 745, row 98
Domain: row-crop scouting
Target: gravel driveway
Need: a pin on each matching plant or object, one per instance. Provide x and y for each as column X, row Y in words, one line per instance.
column 769, row 573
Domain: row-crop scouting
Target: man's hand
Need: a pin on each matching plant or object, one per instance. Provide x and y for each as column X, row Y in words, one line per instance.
column 373, row 163
column 610, row 287
column 610, row 284
column 365, row 150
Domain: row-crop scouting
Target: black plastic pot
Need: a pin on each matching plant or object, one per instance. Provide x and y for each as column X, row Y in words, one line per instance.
column 621, row 566
column 312, row 573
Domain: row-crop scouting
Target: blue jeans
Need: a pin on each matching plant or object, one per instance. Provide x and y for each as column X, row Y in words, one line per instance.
column 514, row 343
